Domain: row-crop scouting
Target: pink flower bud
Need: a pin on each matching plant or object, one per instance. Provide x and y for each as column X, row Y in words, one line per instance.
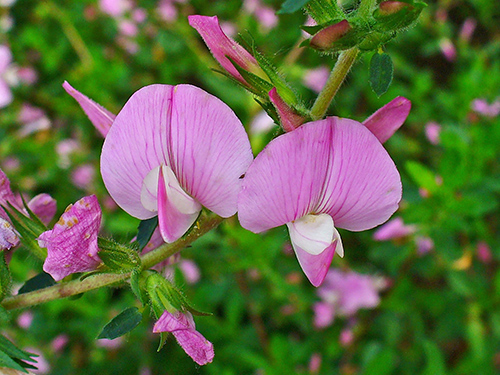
column 290, row 120
column 325, row 38
column 43, row 206
column 391, row 7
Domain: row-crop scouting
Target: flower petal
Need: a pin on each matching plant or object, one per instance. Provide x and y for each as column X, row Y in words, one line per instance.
column 9, row 237
column 286, row 179
column 290, row 120
column 315, row 267
column 363, row 186
column 176, row 210
column 5, row 94
column 43, row 206
column 223, row 47
column 182, row 127
column 312, row 233
column 100, row 117
column 5, row 57
column 183, row 328
column 72, row 243
column 386, row 120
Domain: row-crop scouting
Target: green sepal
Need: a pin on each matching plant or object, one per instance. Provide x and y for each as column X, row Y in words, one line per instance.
column 138, row 285
column 323, row 11
column 32, row 222
column 28, row 237
column 402, row 19
column 40, row 281
column 5, row 277
column 118, row 257
column 375, row 40
column 36, row 220
column 258, row 86
column 13, row 357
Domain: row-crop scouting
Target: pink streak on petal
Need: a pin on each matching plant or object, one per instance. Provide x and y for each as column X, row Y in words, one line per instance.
column 172, row 223
column 386, row 120
column 209, row 149
column 72, row 243
column 183, row 328
column 221, row 46
column 43, row 206
column 100, row 117
column 315, row 267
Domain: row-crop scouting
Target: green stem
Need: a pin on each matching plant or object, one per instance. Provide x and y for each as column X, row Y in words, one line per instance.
column 344, row 63
column 71, row 288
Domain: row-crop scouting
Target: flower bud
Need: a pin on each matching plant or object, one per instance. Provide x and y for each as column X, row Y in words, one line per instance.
column 331, row 36
column 396, row 15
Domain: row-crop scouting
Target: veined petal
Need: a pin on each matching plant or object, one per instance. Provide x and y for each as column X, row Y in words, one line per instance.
column 9, row 237
column 100, row 117
column 72, row 243
column 186, row 129
column 176, row 210
column 312, row 233
column 223, row 47
column 43, row 206
column 182, row 326
column 363, row 186
column 209, row 149
column 285, row 181
column 386, row 120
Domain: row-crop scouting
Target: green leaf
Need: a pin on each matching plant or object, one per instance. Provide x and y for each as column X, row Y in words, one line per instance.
column 422, row 176
column 145, row 231
column 40, row 281
column 436, row 364
column 13, row 351
column 381, row 70
column 121, row 324
column 5, row 277
column 291, row 6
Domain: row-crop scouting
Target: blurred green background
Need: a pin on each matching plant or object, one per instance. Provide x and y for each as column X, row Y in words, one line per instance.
column 439, row 311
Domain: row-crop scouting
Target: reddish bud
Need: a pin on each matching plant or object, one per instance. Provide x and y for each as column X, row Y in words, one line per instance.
column 325, row 38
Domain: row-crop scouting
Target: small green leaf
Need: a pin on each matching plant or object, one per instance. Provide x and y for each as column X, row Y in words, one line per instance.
column 121, row 324
column 381, row 70
column 291, row 6
column 145, row 231
column 40, row 281
column 5, row 277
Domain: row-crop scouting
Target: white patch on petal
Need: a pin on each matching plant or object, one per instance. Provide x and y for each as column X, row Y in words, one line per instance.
column 149, row 190
column 177, row 196
column 313, row 233
column 339, row 248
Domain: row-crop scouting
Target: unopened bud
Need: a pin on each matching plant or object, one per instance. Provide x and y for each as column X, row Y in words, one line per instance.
column 326, row 38
column 396, row 15
column 391, row 7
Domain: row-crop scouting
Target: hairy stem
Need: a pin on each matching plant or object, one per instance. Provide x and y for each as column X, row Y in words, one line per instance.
column 74, row 287
column 344, row 63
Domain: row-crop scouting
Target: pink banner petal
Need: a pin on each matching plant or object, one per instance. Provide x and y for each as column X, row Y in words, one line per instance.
column 386, row 120
column 100, row 117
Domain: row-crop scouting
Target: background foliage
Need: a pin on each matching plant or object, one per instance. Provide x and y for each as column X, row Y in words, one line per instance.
column 441, row 311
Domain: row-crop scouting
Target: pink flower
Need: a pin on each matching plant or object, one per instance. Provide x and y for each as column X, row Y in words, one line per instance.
column 59, row 342
column 9, row 237
column 326, row 174
column 484, row 252
column 343, row 294
column 395, row 228
column 315, row 363
column 290, row 119
column 346, row 337
column 190, row 271
column 5, row 61
column 482, row 107
column 424, row 245
column 265, row 15
column 315, row 79
column 25, row 319
column 110, row 344
column 224, row 48
column 34, row 120
column 467, row 29
column 128, row 28
column 448, row 49
column 432, row 131
column 182, row 326
column 172, row 150
column 100, row 117
column 83, row 176
column 115, row 8
column 72, row 243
